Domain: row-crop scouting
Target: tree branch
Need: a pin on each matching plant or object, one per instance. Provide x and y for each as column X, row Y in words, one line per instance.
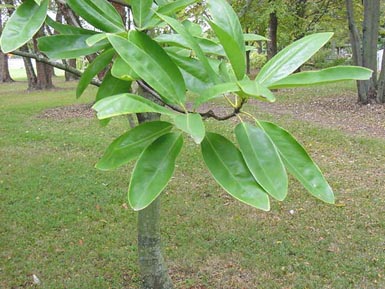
column 62, row 66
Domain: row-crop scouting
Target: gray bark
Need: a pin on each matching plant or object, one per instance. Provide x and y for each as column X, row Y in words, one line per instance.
column 381, row 81
column 273, row 29
column 153, row 269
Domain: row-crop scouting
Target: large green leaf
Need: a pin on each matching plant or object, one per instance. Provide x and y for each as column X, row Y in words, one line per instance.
column 141, row 10
column 68, row 46
column 67, row 29
column 192, row 124
column 99, row 13
column 262, row 159
column 332, row 74
column 126, row 103
column 291, row 57
column 112, row 86
column 216, row 91
column 179, row 28
column 152, row 64
column 120, row 69
column 255, row 90
column 254, row 37
column 23, row 24
column 234, row 52
column 228, row 168
column 298, row 162
column 190, row 65
column 130, row 145
column 154, row 170
column 97, row 65
column 174, row 6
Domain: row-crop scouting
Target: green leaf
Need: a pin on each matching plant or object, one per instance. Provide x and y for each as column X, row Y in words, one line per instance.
column 67, row 29
column 152, row 64
column 255, row 90
column 290, row 58
column 120, row 69
column 23, row 25
column 192, row 124
column 190, row 65
column 126, row 103
column 141, row 10
column 262, row 159
column 112, row 86
column 228, row 168
column 328, row 75
column 68, row 46
column 254, row 37
column 97, row 65
column 99, row 13
column 179, row 28
column 92, row 40
column 130, row 145
column 235, row 53
column 216, row 91
column 298, row 162
column 174, row 6
column 154, row 170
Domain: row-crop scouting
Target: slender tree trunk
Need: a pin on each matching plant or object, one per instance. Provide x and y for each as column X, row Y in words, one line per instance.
column 44, row 71
column 68, row 75
column 5, row 76
column 29, row 70
column 273, row 29
column 153, row 270
column 381, row 81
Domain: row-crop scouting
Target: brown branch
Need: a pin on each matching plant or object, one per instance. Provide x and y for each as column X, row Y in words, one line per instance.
column 62, row 66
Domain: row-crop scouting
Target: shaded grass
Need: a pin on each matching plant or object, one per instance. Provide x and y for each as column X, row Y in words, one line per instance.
column 68, row 223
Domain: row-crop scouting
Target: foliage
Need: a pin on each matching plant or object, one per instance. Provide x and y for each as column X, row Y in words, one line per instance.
column 210, row 67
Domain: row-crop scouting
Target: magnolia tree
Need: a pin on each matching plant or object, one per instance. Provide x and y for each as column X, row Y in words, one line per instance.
column 206, row 61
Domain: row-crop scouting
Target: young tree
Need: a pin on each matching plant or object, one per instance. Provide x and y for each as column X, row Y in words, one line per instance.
column 165, row 68
column 5, row 76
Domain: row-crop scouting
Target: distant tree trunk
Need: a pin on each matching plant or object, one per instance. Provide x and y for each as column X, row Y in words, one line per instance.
column 153, row 270
column 5, row 76
column 68, row 75
column 44, row 71
column 365, row 53
column 273, row 29
column 29, row 70
column 381, row 81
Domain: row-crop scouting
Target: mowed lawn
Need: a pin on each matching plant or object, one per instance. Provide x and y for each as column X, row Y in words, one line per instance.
column 68, row 224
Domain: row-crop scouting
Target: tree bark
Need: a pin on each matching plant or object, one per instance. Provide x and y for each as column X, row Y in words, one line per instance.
column 273, row 29
column 153, row 270
column 29, row 70
column 381, row 81
column 5, row 76
column 44, row 71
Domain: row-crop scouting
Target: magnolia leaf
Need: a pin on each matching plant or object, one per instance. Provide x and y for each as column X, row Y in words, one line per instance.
column 262, row 159
column 130, row 145
column 23, row 25
column 291, row 57
column 120, row 69
column 192, row 124
column 226, row 164
column 153, row 170
column 216, row 91
column 298, row 162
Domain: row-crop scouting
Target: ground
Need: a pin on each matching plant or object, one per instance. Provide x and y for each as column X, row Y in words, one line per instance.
column 340, row 112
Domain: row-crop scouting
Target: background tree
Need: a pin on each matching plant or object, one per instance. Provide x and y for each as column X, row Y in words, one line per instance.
column 166, row 68
column 5, row 76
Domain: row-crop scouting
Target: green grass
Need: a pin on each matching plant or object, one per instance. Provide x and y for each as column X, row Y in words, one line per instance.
column 68, row 224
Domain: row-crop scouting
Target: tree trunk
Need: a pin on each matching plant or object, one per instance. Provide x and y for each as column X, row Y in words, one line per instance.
column 68, row 75
column 44, row 71
column 5, row 76
column 381, row 81
column 153, row 270
column 29, row 70
column 273, row 28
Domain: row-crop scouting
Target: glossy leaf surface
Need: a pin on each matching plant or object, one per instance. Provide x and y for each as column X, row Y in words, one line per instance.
column 99, row 13
column 154, row 170
column 97, row 65
column 255, row 90
column 216, row 91
column 152, row 64
column 67, row 29
column 120, row 69
column 68, row 46
column 254, row 37
column 126, row 103
column 262, row 159
column 112, row 86
column 328, row 75
column 141, row 10
column 179, row 28
column 130, row 145
column 291, row 57
column 226, row 164
column 23, row 25
column 299, row 163
column 192, row 124
column 174, row 6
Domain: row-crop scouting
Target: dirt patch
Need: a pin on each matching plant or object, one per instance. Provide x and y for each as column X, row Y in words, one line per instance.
column 341, row 112
column 66, row 112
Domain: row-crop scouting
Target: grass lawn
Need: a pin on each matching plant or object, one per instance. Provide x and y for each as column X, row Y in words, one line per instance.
column 68, row 223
